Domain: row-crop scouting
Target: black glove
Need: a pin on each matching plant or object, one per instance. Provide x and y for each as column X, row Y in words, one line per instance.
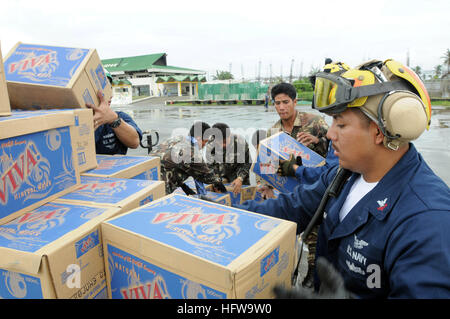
column 187, row 189
column 331, row 285
column 220, row 187
column 286, row 167
column 204, row 197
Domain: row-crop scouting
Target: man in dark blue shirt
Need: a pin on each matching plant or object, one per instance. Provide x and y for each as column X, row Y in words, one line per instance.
column 115, row 132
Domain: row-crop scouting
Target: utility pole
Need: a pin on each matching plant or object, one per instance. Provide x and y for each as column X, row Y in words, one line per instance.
column 242, row 72
column 301, row 70
column 290, row 73
column 407, row 58
column 259, row 71
column 270, row 76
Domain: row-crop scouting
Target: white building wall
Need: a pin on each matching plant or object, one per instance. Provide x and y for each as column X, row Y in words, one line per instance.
column 145, row 81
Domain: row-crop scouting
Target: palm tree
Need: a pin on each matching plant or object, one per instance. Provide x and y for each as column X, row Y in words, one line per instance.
column 223, row 75
column 437, row 71
column 418, row 70
column 446, row 58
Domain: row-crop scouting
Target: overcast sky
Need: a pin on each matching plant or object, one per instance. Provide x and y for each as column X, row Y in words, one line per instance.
column 216, row 35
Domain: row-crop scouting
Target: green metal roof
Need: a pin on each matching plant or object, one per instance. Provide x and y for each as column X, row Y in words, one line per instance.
column 142, row 62
column 174, row 68
column 134, row 63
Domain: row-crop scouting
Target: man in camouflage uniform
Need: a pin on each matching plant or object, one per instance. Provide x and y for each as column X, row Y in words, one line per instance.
column 308, row 129
column 229, row 155
column 181, row 158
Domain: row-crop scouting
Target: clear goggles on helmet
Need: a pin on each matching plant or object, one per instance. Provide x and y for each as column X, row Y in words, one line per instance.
column 333, row 93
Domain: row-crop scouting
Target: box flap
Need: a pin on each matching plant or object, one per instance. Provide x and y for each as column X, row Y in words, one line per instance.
column 20, row 261
column 27, row 122
column 38, row 232
column 122, row 166
column 114, row 191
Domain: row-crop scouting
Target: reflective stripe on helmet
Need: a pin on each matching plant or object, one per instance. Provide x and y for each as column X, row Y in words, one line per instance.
column 407, row 74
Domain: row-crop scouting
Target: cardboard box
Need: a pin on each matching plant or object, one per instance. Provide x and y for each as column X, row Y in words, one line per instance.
column 37, row 162
column 182, row 247
column 54, row 251
column 84, row 139
column 125, row 194
column 126, row 166
column 82, row 134
column 41, row 76
column 247, row 193
column 219, row 198
column 5, row 108
column 277, row 146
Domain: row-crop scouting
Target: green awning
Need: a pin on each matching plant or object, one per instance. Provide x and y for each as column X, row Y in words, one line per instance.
column 135, row 63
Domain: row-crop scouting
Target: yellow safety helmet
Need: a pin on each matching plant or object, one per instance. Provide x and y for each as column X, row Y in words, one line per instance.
column 388, row 92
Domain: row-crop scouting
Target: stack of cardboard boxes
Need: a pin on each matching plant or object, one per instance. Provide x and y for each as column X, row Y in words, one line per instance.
column 74, row 224
column 50, row 240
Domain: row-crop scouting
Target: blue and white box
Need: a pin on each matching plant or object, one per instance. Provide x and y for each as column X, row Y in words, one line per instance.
column 37, row 161
column 219, row 198
column 125, row 194
column 183, row 247
column 54, row 251
column 43, row 76
column 281, row 146
column 83, row 135
column 126, row 166
column 247, row 193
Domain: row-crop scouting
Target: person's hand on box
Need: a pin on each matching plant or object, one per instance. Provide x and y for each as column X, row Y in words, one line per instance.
column 307, row 139
column 237, row 185
column 266, row 192
column 103, row 114
column 288, row 167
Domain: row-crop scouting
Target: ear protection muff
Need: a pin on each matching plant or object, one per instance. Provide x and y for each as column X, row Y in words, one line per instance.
column 400, row 115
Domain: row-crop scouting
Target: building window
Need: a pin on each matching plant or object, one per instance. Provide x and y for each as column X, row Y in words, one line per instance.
column 141, row 90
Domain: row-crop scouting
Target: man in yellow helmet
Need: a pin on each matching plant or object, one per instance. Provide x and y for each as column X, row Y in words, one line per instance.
column 384, row 228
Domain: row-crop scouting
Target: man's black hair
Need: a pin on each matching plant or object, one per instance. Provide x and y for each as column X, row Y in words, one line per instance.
column 198, row 129
column 285, row 88
column 223, row 128
column 257, row 136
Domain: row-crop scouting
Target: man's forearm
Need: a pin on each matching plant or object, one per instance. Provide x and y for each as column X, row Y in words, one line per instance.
column 127, row 135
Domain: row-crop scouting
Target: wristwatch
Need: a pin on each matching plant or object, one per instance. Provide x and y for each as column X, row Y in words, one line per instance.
column 115, row 123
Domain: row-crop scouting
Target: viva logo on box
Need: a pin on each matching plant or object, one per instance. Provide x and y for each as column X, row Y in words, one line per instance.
column 208, row 230
column 43, row 64
column 33, row 167
column 134, row 278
